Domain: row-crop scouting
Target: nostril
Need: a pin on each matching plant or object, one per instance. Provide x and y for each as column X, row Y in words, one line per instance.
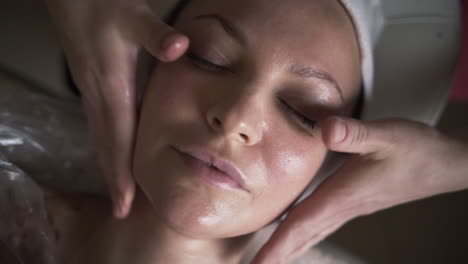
column 244, row 137
column 216, row 122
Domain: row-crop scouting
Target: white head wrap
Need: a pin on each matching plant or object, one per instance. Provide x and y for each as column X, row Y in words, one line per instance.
column 368, row 19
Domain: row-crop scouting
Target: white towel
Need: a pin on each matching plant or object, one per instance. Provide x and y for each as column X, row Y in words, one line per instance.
column 368, row 19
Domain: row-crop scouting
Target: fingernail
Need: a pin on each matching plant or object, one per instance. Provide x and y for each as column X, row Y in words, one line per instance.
column 172, row 45
column 119, row 210
column 340, row 131
column 122, row 208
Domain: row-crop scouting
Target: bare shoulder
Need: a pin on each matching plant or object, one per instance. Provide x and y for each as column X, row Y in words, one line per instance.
column 73, row 210
column 73, row 217
column 62, row 204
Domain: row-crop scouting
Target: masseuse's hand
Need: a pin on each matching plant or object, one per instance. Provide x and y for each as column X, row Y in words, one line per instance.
column 102, row 40
column 394, row 161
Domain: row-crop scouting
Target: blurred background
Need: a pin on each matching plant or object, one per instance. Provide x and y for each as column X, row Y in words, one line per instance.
column 434, row 230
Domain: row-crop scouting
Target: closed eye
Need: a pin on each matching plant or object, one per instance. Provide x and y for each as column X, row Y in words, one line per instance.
column 303, row 119
column 206, row 64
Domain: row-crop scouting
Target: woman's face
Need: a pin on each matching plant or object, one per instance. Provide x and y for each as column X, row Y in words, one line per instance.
column 246, row 98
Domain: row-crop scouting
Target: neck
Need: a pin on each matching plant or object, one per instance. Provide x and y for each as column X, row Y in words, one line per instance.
column 142, row 238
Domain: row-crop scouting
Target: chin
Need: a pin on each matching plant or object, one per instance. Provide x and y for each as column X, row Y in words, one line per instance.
column 191, row 207
column 188, row 204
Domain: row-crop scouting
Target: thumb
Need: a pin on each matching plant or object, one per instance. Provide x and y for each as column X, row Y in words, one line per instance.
column 159, row 39
column 308, row 223
column 354, row 136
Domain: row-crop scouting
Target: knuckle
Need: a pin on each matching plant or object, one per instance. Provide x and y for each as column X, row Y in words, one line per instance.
column 391, row 136
column 360, row 133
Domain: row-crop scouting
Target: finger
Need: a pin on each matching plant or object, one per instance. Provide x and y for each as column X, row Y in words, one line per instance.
column 305, row 245
column 306, row 225
column 114, row 148
column 122, row 188
column 111, row 112
column 159, row 39
column 174, row 45
column 122, row 130
column 354, row 136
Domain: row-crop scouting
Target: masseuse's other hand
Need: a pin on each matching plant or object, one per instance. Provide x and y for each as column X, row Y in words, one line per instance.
column 394, row 161
column 102, row 39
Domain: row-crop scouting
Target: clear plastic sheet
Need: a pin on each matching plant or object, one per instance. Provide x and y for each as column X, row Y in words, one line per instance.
column 47, row 138
column 42, row 140
column 24, row 227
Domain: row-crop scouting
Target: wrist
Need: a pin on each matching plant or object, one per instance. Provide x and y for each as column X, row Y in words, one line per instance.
column 457, row 165
column 464, row 161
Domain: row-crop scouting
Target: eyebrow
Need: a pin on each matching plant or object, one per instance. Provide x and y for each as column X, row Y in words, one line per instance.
column 228, row 26
column 300, row 70
column 309, row 72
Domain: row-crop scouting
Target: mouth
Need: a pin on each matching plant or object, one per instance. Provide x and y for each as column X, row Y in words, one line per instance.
column 212, row 168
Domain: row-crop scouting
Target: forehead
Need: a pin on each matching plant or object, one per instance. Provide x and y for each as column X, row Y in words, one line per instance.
column 279, row 16
column 294, row 31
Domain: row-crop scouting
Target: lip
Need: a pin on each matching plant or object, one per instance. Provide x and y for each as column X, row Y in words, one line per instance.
column 220, row 165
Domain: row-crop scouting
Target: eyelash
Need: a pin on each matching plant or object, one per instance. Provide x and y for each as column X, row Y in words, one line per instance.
column 206, row 64
column 309, row 123
column 213, row 67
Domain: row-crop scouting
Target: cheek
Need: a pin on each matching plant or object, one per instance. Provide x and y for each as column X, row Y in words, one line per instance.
column 170, row 94
column 158, row 111
column 290, row 163
column 296, row 159
column 172, row 113
column 169, row 104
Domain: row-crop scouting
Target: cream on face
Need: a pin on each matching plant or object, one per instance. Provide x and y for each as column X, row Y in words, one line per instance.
column 247, row 96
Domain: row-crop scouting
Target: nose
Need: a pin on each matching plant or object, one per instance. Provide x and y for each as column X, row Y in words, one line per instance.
column 238, row 120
